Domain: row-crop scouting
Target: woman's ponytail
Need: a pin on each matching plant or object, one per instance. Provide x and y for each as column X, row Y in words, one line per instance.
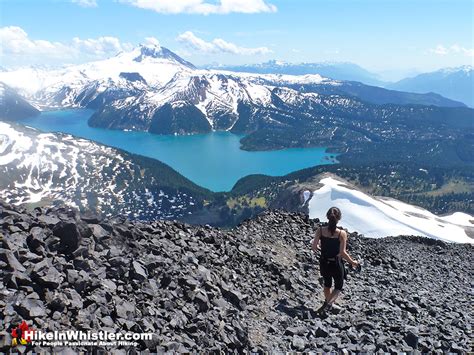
column 334, row 216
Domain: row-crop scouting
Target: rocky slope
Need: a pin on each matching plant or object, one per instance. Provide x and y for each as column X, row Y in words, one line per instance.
column 252, row 288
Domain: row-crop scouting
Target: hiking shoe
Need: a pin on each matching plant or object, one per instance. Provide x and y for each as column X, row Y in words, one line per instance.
column 334, row 309
column 323, row 308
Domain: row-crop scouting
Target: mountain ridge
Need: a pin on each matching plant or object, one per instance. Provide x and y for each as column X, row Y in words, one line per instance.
column 346, row 71
column 387, row 216
column 157, row 65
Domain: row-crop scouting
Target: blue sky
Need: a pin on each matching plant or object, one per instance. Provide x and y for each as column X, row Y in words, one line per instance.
column 380, row 35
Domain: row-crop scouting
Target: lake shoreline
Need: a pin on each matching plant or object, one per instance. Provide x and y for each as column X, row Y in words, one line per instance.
column 215, row 160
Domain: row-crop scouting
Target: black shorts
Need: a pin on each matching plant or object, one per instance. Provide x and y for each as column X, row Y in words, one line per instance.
column 332, row 269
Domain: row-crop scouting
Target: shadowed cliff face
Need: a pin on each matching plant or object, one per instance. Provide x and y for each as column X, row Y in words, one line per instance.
column 254, row 287
column 14, row 107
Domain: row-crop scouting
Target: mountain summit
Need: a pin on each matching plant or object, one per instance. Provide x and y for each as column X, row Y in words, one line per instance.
column 77, row 85
column 155, row 51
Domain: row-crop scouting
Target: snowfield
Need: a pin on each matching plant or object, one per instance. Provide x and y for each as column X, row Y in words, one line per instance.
column 377, row 217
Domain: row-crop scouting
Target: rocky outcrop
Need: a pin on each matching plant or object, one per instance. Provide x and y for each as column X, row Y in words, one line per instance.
column 253, row 288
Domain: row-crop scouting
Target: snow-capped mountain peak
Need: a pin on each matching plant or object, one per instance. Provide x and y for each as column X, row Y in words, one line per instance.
column 156, row 65
column 151, row 50
column 151, row 88
column 153, row 53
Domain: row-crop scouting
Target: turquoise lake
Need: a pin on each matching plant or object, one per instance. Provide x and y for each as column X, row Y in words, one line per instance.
column 213, row 160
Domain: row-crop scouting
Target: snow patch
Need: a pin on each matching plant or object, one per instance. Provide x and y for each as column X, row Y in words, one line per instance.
column 13, row 144
column 377, row 217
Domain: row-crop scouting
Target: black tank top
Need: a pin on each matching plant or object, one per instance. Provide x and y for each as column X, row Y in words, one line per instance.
column 330, row 246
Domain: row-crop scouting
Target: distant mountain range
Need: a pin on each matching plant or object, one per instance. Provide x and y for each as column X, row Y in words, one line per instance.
column 152, row 89
column 454, row 83
column 334, row 70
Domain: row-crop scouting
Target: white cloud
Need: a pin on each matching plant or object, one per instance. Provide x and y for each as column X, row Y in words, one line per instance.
column 203, row 7
column 440, row 49
column 195, row 42
column 454, row 49
column 85, row 3
column 469, row 52
column 15, row 43
column 152, row 41
column 218, row 45
column 99, row 47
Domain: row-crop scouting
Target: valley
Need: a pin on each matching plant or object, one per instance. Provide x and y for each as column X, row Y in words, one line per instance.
column 112, row 182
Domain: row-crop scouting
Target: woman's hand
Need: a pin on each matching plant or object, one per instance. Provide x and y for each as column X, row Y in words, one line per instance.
column 354, row 264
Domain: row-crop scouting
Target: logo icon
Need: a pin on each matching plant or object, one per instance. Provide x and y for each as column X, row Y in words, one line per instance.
column 22, row 334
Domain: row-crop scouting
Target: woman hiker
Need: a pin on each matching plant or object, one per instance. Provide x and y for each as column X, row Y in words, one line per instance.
column 332, row 241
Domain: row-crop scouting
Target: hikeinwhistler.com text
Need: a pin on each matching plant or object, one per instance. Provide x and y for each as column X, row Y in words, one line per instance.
column 71, row 338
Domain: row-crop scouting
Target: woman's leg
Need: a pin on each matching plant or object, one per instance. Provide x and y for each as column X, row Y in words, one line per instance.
column 338, row 284
column 334, row 295
column 327, row 293
column 327, row 279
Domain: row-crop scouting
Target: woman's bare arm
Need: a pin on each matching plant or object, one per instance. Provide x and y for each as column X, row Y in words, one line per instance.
column 315, row 245
column 342, row 249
